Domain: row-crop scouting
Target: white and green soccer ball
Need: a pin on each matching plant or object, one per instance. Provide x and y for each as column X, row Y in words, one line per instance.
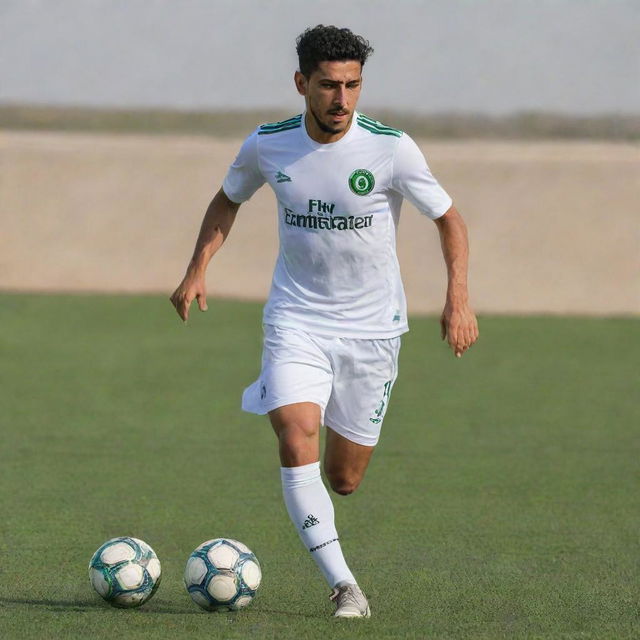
column 222, row 575
column 125, row 572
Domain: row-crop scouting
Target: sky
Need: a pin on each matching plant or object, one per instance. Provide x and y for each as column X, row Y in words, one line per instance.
column 491, row 56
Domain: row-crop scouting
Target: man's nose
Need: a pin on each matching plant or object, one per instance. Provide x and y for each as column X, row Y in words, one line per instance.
column 340, row 96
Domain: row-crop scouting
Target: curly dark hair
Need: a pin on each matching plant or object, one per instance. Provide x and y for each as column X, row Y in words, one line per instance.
column 321, row 43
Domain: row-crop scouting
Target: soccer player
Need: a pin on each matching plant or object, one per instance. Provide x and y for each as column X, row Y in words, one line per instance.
column 336, row 309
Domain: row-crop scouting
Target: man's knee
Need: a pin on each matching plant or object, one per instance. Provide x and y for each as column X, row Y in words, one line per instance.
column 343, row 483
column 296, row 428
column 296, row 445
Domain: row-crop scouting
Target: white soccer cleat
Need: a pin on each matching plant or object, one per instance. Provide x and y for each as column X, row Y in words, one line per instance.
column 350, row 602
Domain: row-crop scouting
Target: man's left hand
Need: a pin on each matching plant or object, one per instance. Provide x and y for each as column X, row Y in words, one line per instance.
column 459, row 327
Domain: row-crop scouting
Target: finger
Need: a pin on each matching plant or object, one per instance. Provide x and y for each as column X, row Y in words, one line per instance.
column 470, row 334
column 453, row 333
column 473, row 333
column 468, row 338
column 184, row 302
column 462, row 342
column 175, row 301
column 443, row 328
column 202, row 301
column 181, row 303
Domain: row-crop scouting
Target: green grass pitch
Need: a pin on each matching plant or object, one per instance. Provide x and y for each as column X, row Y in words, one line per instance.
column 502, row 502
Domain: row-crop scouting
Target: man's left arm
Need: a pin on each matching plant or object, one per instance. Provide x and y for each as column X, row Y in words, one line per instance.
column 458, row 322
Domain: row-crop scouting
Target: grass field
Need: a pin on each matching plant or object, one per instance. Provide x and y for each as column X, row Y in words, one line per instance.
column 503, row 500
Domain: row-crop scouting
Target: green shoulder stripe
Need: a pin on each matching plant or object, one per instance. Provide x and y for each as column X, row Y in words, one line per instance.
column 377, row 127
column 377, row 123
column 283, row 125
column 282, row 122
column 287, row 128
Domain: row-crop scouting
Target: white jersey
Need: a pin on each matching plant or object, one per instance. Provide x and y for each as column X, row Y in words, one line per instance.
column 337, row 272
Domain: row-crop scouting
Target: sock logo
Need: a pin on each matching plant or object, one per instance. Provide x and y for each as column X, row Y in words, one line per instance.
column 324, row 544
column 311, row 521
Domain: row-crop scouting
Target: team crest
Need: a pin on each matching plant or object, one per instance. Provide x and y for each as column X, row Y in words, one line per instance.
column 361, row 182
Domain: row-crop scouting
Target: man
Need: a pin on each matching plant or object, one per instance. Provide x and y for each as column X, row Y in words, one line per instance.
column 336, row 309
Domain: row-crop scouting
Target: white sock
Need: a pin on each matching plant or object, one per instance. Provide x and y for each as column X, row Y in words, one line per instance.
column 311, row 511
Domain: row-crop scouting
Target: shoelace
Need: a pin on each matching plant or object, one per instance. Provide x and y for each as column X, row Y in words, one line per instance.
column 346, row 595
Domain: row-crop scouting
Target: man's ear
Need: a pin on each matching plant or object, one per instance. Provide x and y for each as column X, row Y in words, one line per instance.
column 301, row 83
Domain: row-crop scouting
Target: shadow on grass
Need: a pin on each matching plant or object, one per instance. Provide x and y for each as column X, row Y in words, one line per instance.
column 91, row 605
column 83, row 606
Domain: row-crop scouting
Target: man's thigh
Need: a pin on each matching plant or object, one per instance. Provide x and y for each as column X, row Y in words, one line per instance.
column 343, row 383
column 295, row 370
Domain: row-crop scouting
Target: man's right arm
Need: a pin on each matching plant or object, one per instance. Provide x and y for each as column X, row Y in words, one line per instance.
column 215, row 228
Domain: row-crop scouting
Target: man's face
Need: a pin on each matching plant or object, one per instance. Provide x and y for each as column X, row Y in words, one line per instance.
column 331, row 94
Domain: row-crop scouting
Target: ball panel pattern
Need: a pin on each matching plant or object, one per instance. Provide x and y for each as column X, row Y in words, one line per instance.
column 239, row 546
column 118, row 552
column 98, row 581
column 251, row 574
column 222, row 586
column 195, row 571
column 153, row 567
column 223, row 556
column 125, row 572
column 130, row 576
column 207, row 544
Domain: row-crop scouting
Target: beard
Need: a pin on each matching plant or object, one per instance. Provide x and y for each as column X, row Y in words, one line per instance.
column 325, row 127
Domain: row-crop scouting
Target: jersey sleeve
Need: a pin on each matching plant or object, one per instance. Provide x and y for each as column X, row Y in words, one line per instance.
column 413, row 179
column 244, row 177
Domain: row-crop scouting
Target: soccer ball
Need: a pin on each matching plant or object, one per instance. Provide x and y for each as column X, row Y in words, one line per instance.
column 222, row 575
column 125, row 572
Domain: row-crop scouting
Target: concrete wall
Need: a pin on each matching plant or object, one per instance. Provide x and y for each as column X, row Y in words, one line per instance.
column 554, row 227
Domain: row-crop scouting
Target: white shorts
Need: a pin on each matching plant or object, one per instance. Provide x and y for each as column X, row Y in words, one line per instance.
column 350, row 379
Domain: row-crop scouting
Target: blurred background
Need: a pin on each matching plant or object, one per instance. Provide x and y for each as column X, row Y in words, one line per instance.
column 528, row 113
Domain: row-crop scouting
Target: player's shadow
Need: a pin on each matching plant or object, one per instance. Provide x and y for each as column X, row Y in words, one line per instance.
column 89, row 605
column 158, row 607
column 282, row 612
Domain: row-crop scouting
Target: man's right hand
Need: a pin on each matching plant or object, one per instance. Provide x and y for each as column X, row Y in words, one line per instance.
column 191, row 287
